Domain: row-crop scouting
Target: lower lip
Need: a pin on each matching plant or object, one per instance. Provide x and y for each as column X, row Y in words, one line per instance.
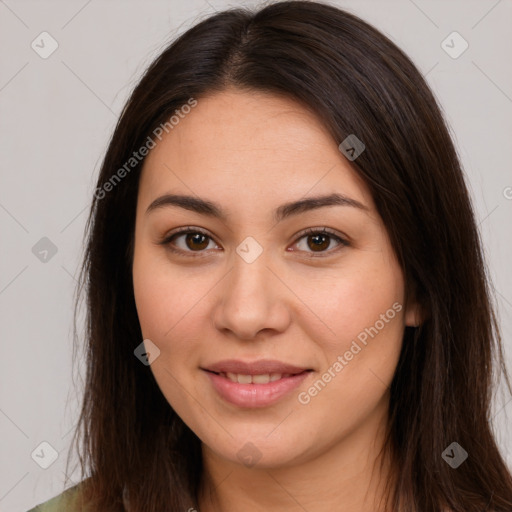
column 255, row 395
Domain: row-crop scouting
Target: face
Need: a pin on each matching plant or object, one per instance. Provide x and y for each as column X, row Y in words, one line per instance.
column 315, row 285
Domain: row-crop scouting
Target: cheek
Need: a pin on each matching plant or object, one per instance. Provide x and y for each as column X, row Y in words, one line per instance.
column 151, row 300
column 348, row 300
column 166, row 306
column 368, row 322
column 163, row 296
column 364, row 312
column 170, row 301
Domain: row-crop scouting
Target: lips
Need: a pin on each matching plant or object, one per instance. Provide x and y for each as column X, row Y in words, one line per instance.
column 261, row 367
column 257, row 384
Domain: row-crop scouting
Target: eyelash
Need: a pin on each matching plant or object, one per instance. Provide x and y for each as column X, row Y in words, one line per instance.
column 198, row 254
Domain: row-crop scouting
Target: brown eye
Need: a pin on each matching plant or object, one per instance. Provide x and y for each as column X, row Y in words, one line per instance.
column 191, row 240
column 188, row 241
column 320, row 241
column 196, row 241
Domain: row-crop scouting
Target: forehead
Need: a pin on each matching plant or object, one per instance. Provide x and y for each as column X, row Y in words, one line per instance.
column 255, row 145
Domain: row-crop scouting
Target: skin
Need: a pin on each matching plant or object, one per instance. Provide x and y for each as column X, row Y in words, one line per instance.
column 251, row 152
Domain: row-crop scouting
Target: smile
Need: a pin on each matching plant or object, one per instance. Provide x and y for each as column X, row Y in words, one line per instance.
column 254, row 391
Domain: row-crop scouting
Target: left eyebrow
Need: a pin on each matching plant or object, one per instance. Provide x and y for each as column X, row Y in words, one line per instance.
column 211, row 209
column 313, row 203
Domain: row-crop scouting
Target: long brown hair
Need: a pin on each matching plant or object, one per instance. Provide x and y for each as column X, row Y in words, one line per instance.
column 357, row 82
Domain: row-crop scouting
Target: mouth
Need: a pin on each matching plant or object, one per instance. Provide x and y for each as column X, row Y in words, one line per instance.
column 262, row 378
column 254, row 390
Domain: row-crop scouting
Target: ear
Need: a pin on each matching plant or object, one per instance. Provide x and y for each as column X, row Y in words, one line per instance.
column 414, row 314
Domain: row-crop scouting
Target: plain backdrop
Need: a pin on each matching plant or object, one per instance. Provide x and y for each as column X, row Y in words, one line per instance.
column 57, row 115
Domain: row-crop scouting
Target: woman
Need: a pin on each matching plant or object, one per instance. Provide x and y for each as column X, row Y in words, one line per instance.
column 287, row 301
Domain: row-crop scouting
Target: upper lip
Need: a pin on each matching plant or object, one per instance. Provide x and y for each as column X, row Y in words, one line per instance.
column 260, row 367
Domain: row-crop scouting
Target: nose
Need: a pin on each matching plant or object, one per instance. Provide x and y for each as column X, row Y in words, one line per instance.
column 251, row 300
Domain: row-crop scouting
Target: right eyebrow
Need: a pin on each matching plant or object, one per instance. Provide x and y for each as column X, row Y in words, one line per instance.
column 195, row 204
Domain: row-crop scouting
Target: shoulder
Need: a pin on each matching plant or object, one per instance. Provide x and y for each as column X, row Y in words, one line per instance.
column 64, row 502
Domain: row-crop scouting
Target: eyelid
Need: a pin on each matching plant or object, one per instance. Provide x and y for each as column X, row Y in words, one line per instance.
column 185, row 230
column 339, row 237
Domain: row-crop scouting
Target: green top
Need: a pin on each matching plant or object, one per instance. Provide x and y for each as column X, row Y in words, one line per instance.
column 64, row 502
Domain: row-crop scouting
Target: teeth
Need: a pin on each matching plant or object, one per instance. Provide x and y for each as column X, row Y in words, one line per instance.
column 244, row 379
column 261, row 379
column 254, row 379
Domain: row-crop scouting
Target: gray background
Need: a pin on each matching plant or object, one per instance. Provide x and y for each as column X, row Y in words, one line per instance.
column 56, row 117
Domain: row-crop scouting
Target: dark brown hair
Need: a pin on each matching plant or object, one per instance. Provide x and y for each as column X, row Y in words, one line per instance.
column 358, row 82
